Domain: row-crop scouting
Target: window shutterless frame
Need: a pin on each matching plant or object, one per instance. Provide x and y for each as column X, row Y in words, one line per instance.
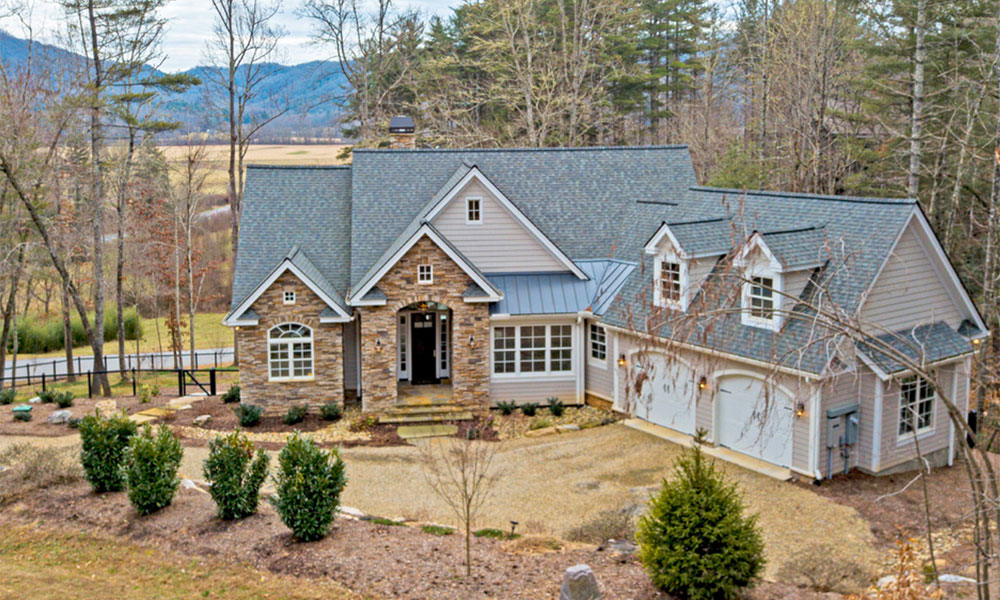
column 289, row 352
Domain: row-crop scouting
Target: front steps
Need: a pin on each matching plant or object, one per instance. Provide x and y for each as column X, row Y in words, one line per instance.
column 437, row 412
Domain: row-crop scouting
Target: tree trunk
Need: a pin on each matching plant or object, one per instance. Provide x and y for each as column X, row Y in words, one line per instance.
column 917, row 109
column 67, row 334
column 9, row 311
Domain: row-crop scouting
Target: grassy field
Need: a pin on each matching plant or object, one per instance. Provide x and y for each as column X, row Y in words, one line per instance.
column 45, row 565
column 272, row 154
column 209, row 332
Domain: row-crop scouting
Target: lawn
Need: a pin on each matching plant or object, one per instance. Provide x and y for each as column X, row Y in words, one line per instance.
column 209, row 332
column 46, row 565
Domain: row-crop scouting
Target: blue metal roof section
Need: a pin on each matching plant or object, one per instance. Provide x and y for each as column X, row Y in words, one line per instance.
column 561, row 293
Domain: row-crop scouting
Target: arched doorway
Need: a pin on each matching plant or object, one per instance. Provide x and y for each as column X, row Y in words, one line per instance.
column 423, row 343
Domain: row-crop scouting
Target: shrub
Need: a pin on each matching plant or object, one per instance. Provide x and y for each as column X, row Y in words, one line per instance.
column 506, row 408
column 695, row 542
column 64, row 399
column 232, row 395
column 437, row 529
column 606, row 525
column 296, row 414
column 363, row 423
column 331, row 411
column 31, row 467
column 151, row 463
column 495, row 534
column 104, row 443
column 7, row 396
column 309, row 482
column 540, row 423
column 825, row 568
column 235, row 473
column 22, row 416
column 46, row 396
column 907, row 582
column 556, row 407
column 529, row 408
column 147, row 392
column 34, row 336
column 383, row 521
column 248, row 414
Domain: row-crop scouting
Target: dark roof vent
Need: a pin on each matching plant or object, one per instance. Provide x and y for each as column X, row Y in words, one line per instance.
column 401, row 124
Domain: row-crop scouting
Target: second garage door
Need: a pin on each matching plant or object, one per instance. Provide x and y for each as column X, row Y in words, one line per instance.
column 668, row 395
column 754, row 421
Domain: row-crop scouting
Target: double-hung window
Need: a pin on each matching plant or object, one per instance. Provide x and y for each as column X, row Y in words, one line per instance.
column 290, row 352
column 598, row 342
column 670, row 282
column 761, row 298
column 534, row 349
column 474, row 210
column 916, row 406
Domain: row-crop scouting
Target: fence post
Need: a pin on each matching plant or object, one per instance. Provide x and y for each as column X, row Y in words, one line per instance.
column 90, row 388
column 195, row 365
column 43, row 381
column 133, row 382
column 216, row 355
column 27, row 371
column 79, row 365
column 211, row 382
column 180, row 382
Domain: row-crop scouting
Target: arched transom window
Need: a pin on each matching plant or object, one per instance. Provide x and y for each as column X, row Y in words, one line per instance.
column 290, row 352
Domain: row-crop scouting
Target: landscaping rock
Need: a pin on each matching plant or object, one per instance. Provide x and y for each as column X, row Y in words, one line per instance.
column 622, row 546
column 190, row 484
column 351, row 512
column 106, row 408
column 202, row 420
column 34, row 400
column 59, row 417
column 569, row 427
column 948, row 578
column 579, row 583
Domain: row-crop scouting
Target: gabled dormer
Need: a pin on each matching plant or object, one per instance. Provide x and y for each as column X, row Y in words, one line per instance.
column 683, row 255
column 774, row 267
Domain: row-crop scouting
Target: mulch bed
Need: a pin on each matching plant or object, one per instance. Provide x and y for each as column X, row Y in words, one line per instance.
column 81, row 407
column 224, row 419
column 371, row 559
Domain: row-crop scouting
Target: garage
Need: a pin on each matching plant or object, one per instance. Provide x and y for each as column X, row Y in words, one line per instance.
column 667, row 396
column 755, row 419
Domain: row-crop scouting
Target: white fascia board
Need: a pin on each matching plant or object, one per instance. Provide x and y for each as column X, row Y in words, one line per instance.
column 369, row 303
column 475, row 173
column 241, row 323
column 337, row 319
column 652, row 246
column 286, row 265
column 425, row 230
column 757, row 241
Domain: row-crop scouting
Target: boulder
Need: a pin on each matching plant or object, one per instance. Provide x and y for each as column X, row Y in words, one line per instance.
column 351, row 512
column 34, row 400
column 622, row 546
column 579, row 583
column 59, row 417
column 106, row 408
column 948, row 578
column 568, row 427
column 202, row 420
column 190, row 484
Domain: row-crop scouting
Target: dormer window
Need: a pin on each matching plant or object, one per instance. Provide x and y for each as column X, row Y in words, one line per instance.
column 762, row 298
column 474, row 210
column 670, row 282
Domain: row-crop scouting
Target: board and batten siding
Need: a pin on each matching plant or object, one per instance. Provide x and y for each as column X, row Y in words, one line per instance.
column 598, row 376
column 896, row 450
column 500, row 244
column 713, row 368
column 909, row 291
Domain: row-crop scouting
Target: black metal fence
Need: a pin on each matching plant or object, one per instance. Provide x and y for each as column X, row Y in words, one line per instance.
column 185, row 378
column 34, row 369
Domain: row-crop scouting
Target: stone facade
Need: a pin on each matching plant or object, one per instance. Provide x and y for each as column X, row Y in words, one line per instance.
column 327, row 384
column 470, row 334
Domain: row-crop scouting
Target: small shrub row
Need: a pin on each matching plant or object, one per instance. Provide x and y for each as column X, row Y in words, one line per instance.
column 296, row 414
column 235, row 473
column 104, row 443
column 61, row 399
column 308, row 485
column 34, row 336
column 495, row 534
column 150, row 467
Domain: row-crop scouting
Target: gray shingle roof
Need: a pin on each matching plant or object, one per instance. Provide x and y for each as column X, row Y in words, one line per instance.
column 798, row 248
column 288, row 207
column 560, row 293
column 924, row 344
column 704, row 237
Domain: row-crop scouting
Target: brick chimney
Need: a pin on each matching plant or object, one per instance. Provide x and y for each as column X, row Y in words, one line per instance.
column 402, row 132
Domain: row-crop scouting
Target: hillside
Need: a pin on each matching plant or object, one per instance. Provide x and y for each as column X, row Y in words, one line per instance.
column 311, row 89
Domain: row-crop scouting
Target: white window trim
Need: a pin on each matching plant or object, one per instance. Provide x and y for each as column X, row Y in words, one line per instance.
column 403, row 346
column 548, row 373
column 430, row 271
column 778, row 289
column 916, row 434
column 591, row 359
column 685, row 282
column 443, row 345
column 288, row 342
column 469, row 200
column 285, row 297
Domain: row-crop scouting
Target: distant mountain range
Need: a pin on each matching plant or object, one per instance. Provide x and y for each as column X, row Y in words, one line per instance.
column 311, row 89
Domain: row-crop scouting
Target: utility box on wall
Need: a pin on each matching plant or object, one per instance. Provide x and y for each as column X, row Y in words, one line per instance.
column 842, row 428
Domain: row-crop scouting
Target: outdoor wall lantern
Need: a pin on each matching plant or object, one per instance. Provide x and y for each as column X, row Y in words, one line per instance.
column 976, row 342
column 621, row 360
column 800, row 409
column 703, row 383
column 378, row 344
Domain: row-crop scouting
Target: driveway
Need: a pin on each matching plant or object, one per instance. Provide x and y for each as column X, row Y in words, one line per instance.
column 552, row 484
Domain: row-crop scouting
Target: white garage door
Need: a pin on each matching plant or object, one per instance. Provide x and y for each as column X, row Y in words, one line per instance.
column 754, row 423
column 667, row 397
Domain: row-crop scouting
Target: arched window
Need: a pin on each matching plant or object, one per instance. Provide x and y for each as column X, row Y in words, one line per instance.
column 290, row 352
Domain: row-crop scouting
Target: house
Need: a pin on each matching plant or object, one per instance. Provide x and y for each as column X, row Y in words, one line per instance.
column 606, row 276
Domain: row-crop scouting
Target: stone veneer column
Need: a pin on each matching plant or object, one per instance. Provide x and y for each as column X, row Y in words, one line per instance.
column 470, row 374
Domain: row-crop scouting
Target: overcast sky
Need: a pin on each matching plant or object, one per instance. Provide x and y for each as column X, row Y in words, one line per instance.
column 190, row 26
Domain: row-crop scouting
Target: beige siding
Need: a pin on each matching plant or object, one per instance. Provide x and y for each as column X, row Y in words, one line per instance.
column 896, row 450
column 520, row 391
column 846, row 389
column 598, row 376
column 500, row 244
column 795, row 282
column 698, row 270
column 712, row 368
column 909, row 291
column 351, row 355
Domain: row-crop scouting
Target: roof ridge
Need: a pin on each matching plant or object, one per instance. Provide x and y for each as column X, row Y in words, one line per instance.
column 523, row 149
column 794, row 230
column 830, row 197
column 296, row 167
column 697, row 221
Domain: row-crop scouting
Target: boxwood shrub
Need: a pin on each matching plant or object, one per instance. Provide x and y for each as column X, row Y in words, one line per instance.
column 150, row 467
column 331, row 411
column 104, row 442
column 296, row 414
column 232, row 395
column 235, row 473
column 308, row 484
column 7, row 396
column 248, row 414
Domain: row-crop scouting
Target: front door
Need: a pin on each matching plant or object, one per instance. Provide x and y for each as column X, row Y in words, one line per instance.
column 423, row 340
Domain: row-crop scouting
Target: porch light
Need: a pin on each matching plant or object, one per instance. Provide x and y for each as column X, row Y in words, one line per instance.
column 800, row 409
column 703, row 383
column 975, row 342
column 621, row 360
column 378, row 344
